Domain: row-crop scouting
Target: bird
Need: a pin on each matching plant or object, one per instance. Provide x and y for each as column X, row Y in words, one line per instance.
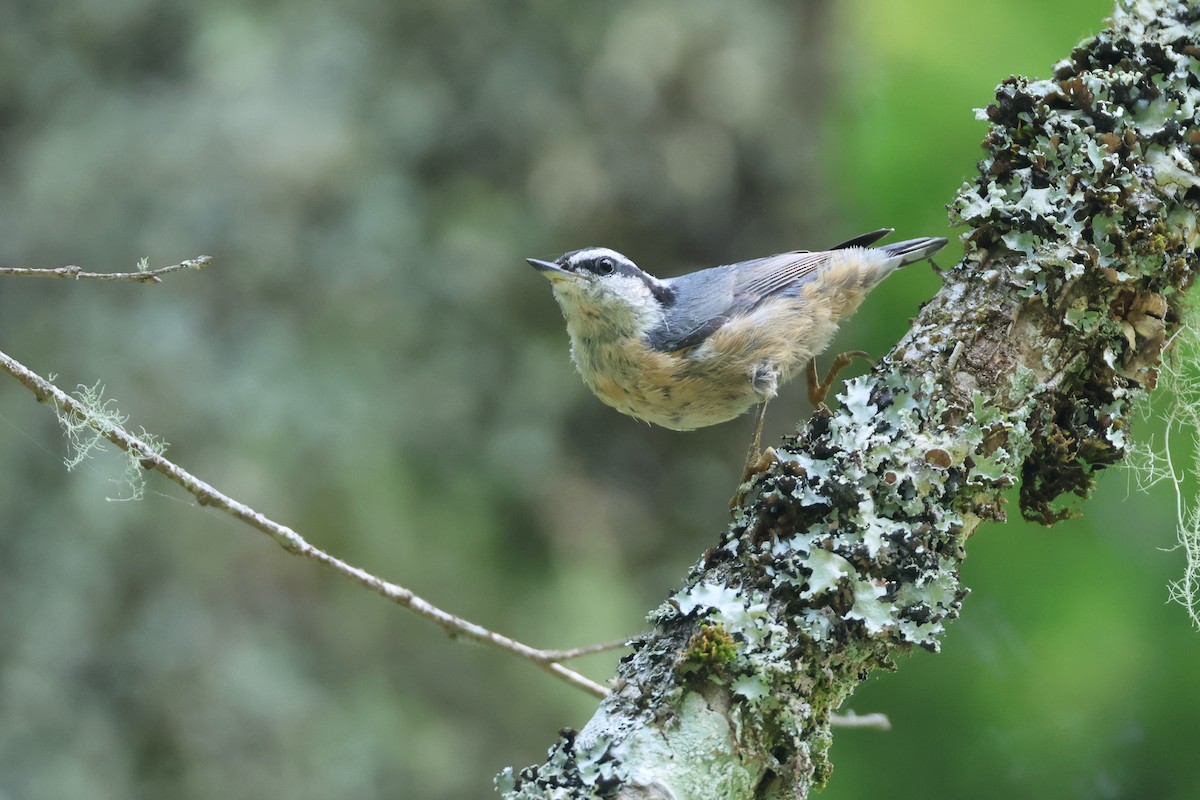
column 707, row 346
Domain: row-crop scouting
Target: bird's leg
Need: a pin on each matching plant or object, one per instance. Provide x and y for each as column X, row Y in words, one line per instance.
column 818, row 389
column 754, row 456
column 756, row 460
column 765, row 380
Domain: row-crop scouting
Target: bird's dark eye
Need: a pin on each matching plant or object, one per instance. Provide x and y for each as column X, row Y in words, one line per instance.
column 604, row 266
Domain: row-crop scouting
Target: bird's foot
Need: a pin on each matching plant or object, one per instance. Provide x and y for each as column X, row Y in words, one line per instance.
column 756, row 463
column 817, row 390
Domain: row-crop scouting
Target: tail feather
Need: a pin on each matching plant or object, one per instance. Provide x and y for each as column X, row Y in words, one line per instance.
column 866, row 240
column 913, row 250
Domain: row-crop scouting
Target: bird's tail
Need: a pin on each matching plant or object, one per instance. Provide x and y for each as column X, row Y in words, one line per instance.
column 913, row 250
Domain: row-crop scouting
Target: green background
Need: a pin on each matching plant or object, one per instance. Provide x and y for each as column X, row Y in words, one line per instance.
column 369, row 360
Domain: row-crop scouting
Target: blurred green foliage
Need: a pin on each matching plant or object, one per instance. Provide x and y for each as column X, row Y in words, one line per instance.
column 369, row 360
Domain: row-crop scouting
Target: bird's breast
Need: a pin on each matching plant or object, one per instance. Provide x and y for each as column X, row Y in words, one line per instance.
column 676, row 390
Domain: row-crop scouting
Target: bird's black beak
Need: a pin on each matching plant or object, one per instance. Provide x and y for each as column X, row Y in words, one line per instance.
column 549, row 269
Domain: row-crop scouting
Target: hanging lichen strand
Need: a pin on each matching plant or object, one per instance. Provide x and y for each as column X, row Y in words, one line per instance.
column 846, row 550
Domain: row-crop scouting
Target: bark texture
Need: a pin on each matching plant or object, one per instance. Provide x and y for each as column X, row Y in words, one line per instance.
column 845, row 552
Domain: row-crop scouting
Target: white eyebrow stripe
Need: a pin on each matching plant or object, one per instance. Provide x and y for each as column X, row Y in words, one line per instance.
column 590, row 253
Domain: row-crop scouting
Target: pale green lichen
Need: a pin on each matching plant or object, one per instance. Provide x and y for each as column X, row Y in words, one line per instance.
column 1173, row 459
column 87, row 433
column 681, row 764
column 875, row 614
column 725, row 600
column 826, row 571
column 133, row 476
column 886, row 471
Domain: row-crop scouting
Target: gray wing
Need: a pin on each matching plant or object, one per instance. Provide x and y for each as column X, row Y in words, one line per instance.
column 763, row 277
column 706, row 300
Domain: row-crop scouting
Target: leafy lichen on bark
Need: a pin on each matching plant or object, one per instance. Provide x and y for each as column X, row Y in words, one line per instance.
column 846, row 550
column 1089, row 207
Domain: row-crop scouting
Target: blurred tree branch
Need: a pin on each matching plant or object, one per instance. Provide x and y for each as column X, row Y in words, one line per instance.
column 146, row 451
column 143, row 274
column 845, row 552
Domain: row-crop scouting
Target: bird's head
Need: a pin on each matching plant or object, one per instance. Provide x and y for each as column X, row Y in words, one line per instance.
column 596, row 283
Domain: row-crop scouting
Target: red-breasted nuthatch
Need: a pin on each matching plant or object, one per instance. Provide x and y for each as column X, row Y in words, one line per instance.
column 704, row 347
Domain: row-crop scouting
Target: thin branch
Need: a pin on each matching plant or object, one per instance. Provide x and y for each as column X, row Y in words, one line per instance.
column 73, row 272
column 877, row 721
column 588, row 650
column 289, row 539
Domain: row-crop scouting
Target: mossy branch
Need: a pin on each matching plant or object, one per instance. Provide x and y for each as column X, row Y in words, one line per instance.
column 1025, row 366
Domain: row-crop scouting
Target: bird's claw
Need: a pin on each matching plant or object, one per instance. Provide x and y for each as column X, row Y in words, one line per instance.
column 817, row 390
column 755, row 465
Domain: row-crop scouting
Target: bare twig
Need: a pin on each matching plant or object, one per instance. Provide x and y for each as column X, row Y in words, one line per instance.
column 73, row 272
column 289, row 539
column 588, row 650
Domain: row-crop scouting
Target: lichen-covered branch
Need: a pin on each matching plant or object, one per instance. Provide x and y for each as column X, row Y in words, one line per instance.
column 1025, row 366
column 88, row 419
